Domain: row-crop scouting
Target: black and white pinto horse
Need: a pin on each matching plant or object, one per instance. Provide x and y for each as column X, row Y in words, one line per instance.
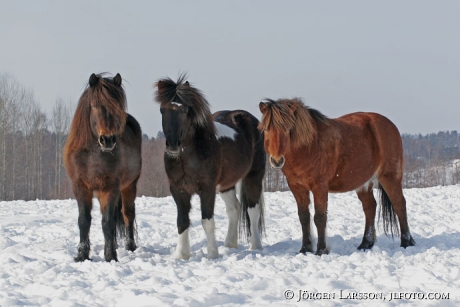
column 208, row 153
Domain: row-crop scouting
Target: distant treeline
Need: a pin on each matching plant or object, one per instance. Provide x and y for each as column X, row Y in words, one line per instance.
column 432, row 159
column 31, row 143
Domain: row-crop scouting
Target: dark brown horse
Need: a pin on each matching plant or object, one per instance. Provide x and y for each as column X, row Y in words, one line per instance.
column 354, row 152
column 102, row 157
column 205, row 153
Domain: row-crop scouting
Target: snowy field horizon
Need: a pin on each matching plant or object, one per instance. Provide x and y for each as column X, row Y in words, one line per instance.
column 38, row 240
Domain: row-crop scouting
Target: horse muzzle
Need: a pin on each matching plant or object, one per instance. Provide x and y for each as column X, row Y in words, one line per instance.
column 107, row 143
column 173, row 149
column 277, row 164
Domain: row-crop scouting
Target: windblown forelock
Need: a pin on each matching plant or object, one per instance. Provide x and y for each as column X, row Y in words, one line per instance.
column 182, row 92
column 278, row 117
column 113, row 99
column 293, row 116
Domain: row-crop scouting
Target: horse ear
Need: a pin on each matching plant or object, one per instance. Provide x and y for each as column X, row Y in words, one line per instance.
column 117, row 79
column 263, row 107
column 93, row 80
column 187, row 84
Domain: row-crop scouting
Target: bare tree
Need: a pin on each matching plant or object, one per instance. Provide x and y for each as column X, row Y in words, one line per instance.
column 60, row 122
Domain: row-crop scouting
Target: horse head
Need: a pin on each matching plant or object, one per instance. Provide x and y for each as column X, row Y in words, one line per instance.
column 276, row 137
column 176, row 123
column 184, row 110
column 107, row 115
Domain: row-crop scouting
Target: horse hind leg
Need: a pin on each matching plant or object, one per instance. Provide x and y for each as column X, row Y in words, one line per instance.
column 393, row 201
column 366, row 196
column 233, row 208
column 252, row 213
column 127, row 222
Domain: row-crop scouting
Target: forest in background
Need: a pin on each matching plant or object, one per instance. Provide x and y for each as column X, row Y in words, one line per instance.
column 31, row 143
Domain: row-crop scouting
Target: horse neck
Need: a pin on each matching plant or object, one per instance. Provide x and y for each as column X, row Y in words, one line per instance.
column 324, row 140
column 200, row 137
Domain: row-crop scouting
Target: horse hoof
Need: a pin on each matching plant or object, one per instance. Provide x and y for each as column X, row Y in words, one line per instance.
column 366, row 245
column 407, row 241
column 255, row 247
column 130, row 245
column 230, row 244
column 306, row 249
column 182, row 256
column 110, row 255
column 81, row 258
column 323, row 251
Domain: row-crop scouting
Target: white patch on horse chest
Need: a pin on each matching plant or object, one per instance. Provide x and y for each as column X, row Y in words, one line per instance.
column 223, row 131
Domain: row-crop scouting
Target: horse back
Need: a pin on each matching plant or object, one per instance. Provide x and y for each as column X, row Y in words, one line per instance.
column 242, row 152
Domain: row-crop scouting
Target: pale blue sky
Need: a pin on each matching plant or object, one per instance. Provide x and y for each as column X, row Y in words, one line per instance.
column 398, row 58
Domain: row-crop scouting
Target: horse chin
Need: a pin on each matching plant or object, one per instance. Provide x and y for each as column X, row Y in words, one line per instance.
column 107, row 149
column 277, row 167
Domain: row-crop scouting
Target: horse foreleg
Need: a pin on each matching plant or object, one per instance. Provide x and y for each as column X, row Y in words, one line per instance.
column 108, row 201
column 208, row 198
column 128, row 196
column 233, row 208
column 320, row 219
column 302, row 197
column 83, row 196
column 182, row 200
column 366, row 196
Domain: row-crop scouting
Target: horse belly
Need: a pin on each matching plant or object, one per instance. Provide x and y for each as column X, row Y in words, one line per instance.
column 352, row 178
column 236, row 163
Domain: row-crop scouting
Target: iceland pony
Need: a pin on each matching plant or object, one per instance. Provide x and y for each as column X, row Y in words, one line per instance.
column 102, row 157
column 206, row 153
column 354, row 152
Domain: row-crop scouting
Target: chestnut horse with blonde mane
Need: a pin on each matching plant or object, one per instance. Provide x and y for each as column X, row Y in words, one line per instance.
column 102, row 157
column 317, row 154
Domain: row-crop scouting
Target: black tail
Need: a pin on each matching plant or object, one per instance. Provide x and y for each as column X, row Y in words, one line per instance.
column 119, row 222
column 390, row 220
column 245, row 223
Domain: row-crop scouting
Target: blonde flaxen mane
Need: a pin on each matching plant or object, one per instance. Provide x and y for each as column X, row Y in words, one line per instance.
column 294, row 116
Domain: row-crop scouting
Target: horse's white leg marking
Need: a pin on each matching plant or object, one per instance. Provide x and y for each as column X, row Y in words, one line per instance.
column 183, row 246
column 209, row 226
column 232, row 206
column 254, row 216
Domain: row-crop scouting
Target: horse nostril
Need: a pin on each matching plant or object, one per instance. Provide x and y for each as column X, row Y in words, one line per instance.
column 102, row 140
column 277, row 164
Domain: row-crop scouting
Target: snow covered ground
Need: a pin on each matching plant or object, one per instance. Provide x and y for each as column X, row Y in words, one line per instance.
column 38, row 241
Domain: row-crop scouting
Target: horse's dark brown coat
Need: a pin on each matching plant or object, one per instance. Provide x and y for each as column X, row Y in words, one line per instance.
column 109, row 174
